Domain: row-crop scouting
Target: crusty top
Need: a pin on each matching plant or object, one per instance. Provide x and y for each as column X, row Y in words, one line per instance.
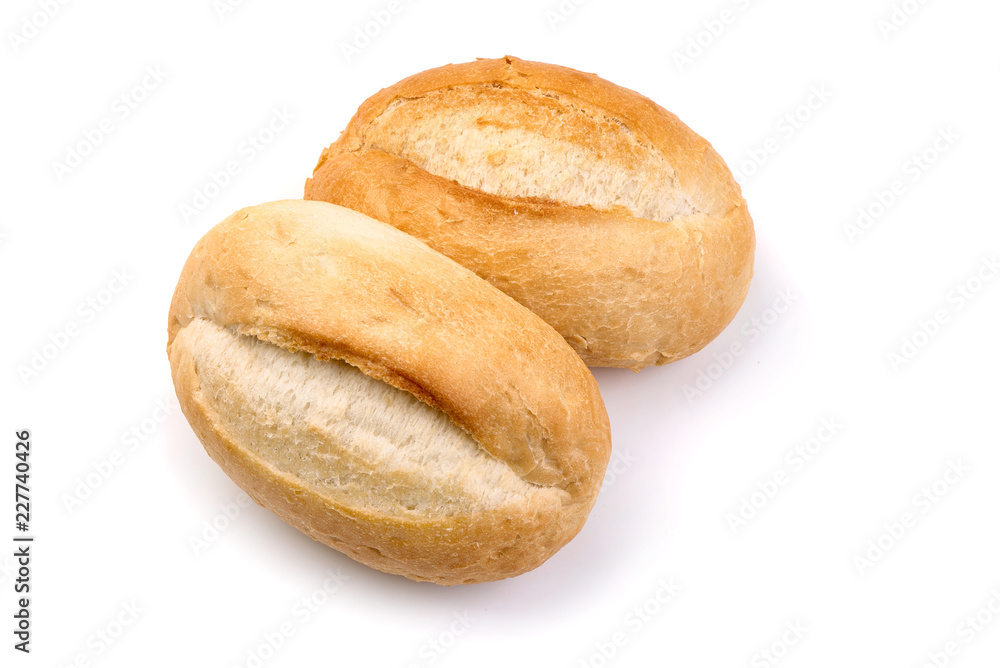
column 318, row 278
column 689, row 162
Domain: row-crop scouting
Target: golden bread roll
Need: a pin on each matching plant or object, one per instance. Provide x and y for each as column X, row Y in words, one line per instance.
column 381, row 398
column 584, row 201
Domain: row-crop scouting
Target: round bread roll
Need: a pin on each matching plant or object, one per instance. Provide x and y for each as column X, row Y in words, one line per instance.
column 586, row 202
column 381, row 398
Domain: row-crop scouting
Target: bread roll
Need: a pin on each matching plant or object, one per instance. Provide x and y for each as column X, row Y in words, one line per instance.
column 586, row 202
column 381, row 398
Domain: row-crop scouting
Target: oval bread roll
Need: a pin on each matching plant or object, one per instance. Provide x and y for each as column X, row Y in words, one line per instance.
column 381, row 398
column 586, row 202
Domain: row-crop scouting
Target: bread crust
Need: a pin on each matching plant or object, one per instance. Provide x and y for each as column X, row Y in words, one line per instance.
column 624, row 290
column 317, row 278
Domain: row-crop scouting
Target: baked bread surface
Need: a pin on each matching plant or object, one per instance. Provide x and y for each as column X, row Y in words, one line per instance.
column 586, row 202
column 381, row 398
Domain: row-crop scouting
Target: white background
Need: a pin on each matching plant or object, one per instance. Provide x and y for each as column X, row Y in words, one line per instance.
column 685, row 463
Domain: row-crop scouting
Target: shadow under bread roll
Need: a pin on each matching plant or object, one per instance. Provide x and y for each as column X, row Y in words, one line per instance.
column 588, row 203
column 381, row 398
